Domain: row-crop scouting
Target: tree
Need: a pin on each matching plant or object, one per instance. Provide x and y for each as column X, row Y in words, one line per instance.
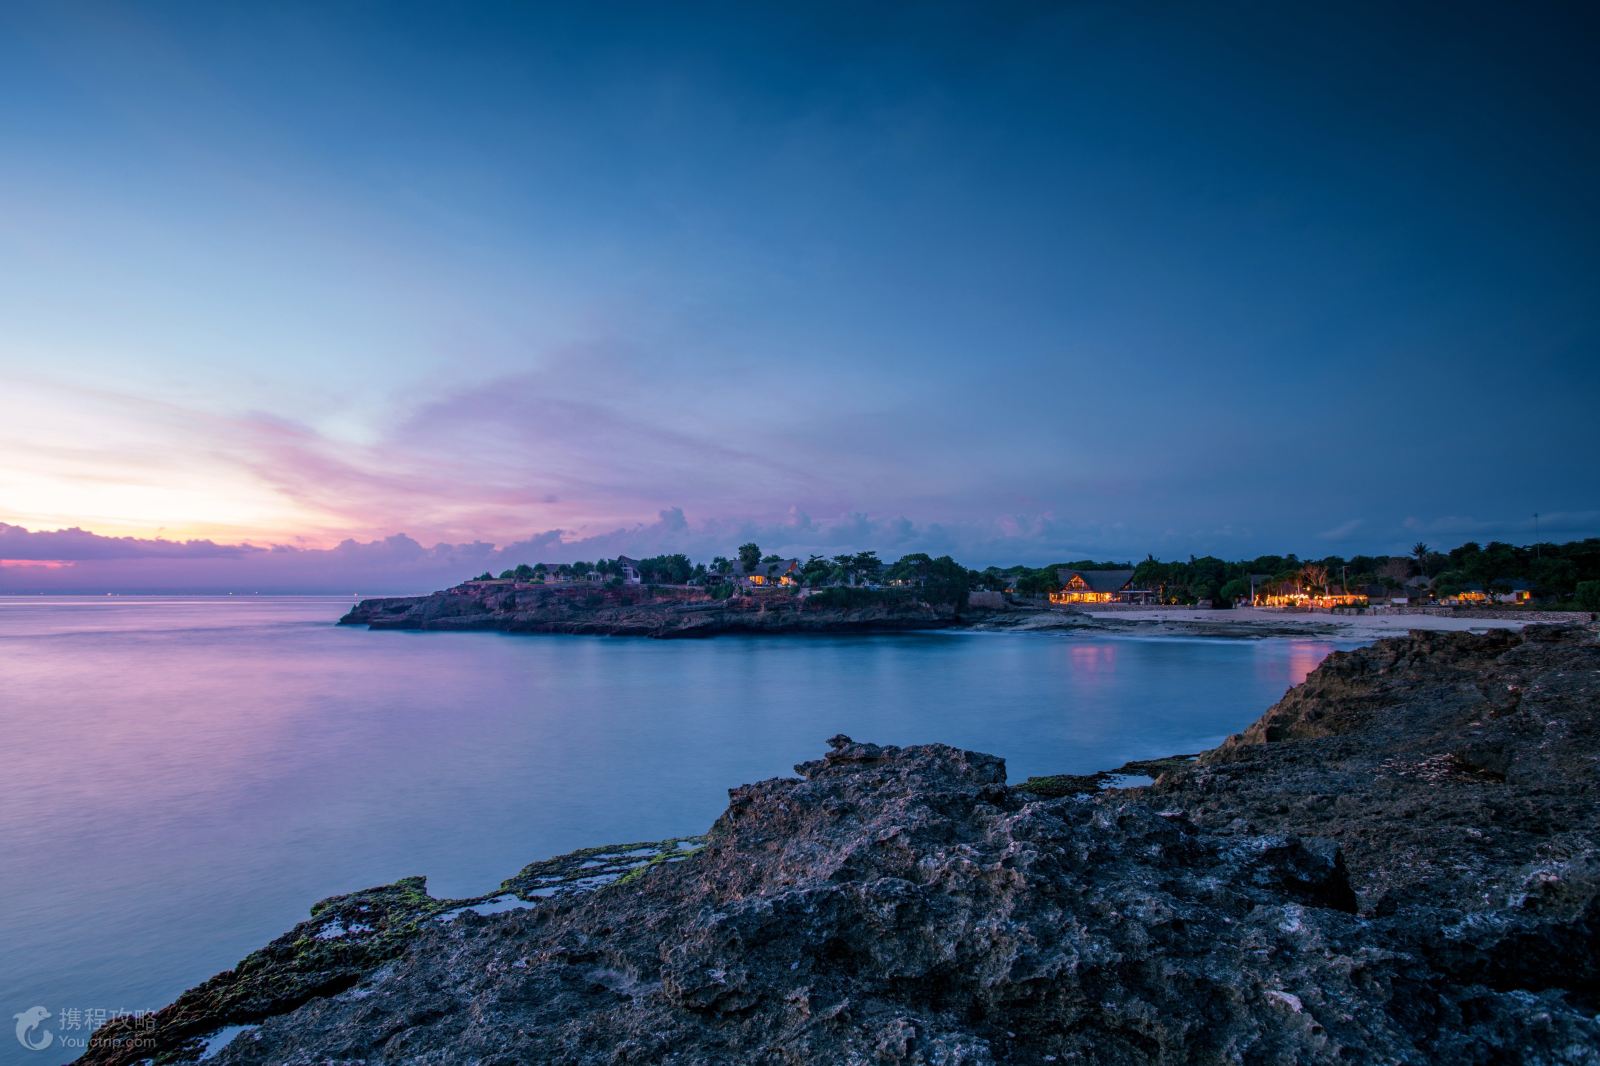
column 867, row 566
column 1314, row 576
column 1394, row 572
column 816, row 572
column 523, row 572
column 485, row 576
column 913, row 569
column 749, row 557
column 720, row 566
column 507, row 575
column 1419, row 552
column 1152, row 574
column 846, row 565
column 666, row 570
column 1554, row 577
column 1038, row 582
column 1235, row 590
column 946, row 581
column 1588, row 595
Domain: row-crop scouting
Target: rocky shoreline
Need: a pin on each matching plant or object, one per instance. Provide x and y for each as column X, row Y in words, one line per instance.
column 661, row 613
column 676, row 612
column 1399, row 863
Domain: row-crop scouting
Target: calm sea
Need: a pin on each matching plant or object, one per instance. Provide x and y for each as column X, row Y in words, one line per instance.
column 183, row 777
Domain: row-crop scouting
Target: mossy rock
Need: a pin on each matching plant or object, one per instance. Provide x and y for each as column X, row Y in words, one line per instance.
column 346, row 938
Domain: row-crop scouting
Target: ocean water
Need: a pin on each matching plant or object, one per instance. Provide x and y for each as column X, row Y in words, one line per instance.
column 182, row 777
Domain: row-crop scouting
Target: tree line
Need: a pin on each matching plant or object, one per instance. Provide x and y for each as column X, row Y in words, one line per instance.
column 1566, row 574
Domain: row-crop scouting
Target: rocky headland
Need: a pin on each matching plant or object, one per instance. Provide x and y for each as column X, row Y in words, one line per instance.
column 664, row 612
column 686, row 611
column 1398, row 863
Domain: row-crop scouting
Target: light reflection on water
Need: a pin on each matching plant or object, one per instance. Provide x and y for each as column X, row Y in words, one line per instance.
column 183, row 777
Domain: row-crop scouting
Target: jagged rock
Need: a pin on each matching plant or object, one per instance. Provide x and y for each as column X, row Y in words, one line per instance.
column 651, row 612
column 1303, row 894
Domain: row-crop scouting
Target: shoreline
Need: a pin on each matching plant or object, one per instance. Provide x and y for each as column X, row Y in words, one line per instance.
column 1363, row 626
column 1248, row 623
column 678, row 612
column 1404, row 788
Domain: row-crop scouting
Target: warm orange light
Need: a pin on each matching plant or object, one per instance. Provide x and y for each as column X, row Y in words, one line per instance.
column 1065, row 596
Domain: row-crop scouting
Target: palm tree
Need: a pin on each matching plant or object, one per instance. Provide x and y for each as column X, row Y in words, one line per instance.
column 1420, row 551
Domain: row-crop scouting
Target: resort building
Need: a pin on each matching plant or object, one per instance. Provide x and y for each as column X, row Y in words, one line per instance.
column 1302, row 597
column 628, row 570
column 1099, row 586
column 1497, row 592
column 784, row 572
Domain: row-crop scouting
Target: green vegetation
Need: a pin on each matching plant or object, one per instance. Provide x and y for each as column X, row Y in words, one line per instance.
column 1053, row 785
column 667, row 570
column 1552, row 574
column 1588, row 595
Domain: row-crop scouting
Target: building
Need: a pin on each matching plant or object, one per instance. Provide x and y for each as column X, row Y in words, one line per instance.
column 766, row 575
column 1496, row 592
column 628, row 570
column 1099, row 586
column 1513, row 592
column 1302, row 597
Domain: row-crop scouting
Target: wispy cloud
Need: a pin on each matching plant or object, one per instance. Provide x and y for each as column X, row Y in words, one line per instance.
column 1344, row 530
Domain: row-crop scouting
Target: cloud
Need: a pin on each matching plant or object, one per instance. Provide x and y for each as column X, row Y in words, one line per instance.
column 86, row 562
column 1523, row 528
column 1343, row 530
column 73, row 545
column 76, row 560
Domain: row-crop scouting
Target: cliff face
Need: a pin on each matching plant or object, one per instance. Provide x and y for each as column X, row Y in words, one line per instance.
column 641, row 612
column 1399, row 864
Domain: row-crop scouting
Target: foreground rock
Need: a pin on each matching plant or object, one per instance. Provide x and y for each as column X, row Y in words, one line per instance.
column 1396, row 864
column 655, row 612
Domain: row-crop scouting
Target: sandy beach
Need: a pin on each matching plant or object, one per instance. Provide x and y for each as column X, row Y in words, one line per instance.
column 1254, row 621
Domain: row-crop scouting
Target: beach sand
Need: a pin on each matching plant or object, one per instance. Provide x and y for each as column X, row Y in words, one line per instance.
column 1242, row 620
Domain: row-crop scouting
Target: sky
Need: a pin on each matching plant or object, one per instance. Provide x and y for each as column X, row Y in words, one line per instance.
column 322, row 296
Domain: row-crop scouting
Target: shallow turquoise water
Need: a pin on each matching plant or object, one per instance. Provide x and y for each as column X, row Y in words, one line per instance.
column 184, row 777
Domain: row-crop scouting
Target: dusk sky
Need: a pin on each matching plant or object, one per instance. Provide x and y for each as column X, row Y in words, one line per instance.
column 1020, row 283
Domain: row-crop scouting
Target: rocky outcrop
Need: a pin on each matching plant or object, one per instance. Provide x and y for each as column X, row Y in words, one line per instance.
column 1397, row 865
column 637, row 611
column 1460, row 777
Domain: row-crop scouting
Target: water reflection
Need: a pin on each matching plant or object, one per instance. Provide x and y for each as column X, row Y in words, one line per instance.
column 1094, row 660
column 184, row 778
